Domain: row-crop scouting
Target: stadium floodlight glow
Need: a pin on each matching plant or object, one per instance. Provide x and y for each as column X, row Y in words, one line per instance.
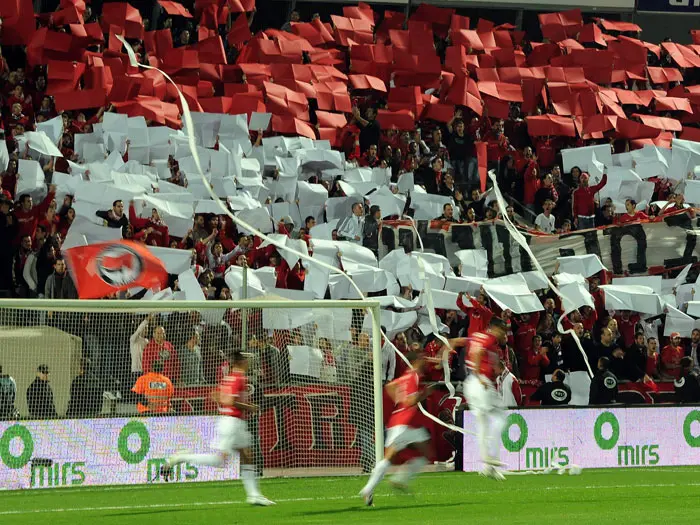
column 315, row 373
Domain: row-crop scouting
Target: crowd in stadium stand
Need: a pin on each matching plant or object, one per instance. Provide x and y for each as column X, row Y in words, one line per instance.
column 634, row 93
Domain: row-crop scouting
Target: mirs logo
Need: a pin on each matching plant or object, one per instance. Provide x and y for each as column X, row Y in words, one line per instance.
column 136, row 433
column 182, row 472
column 535, row 457
column 57, row 474
column 627, row 455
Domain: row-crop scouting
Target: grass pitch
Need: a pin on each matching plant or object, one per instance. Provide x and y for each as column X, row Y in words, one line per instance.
column 634, row 496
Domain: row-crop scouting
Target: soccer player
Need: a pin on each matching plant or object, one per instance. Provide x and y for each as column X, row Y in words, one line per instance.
column 232, row 432
column 481, row 393
column 404, row 429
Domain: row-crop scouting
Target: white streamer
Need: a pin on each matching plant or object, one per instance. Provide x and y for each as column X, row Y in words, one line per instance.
column 187, row 117
column 520, row 239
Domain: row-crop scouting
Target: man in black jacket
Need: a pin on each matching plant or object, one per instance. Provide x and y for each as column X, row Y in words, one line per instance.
column 86, row 394
column 604, row 385
column 555, row 392
column 635, row 360
column 8, row 232
column 40, row 396
column 687, row 387
column 115, row 217
column 573, row 360
column 8, row 393
column 370, row 230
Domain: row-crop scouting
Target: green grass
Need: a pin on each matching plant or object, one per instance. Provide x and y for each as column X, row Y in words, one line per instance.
column 638, row 496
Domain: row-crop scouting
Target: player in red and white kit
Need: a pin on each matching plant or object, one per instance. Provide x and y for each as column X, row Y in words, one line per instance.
column 482, row 396
column 232, row 431
column 403, row 429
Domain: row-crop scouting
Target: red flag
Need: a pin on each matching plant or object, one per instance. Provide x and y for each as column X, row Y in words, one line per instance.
column 102, row 269
column 482, row 158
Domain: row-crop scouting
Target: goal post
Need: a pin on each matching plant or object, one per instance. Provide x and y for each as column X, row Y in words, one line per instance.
column 69, row 368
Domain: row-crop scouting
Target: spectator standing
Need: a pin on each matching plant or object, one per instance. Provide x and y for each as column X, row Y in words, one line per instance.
column 635, row 359
column 8, row 394
column 371, row 229
column 154, row 390
column 508, row 387
column 370, row 131
column 692, row 350
column 447, row 213
column 190, row 358
column 115, row 217
column 535, row 361
column 604, row 385
column 28, row 216
column 158, row 349
column 479, row 314
column 351, row 229
column 460, row 148
column 583, row 202
column 59, row 284
column 545, row 221
column 546, row 192
column 671, row 355
column 687, row 386
column 86, row 394
column 40, row 396
column 8, row 234
column 293, row 19
column 553, row 393
column 137, row 343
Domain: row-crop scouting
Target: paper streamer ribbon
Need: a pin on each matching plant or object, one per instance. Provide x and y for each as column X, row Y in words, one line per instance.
column 187, row 117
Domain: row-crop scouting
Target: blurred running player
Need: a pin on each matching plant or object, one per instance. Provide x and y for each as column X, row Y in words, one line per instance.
column 403, row 429
column 232, row 432
column 482, row 396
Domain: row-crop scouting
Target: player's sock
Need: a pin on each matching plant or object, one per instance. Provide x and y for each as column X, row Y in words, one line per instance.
column 376, row 476
column 250, row 481
column 207, row 460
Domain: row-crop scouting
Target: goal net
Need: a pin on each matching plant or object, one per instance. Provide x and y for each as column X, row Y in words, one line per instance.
column 69, row 369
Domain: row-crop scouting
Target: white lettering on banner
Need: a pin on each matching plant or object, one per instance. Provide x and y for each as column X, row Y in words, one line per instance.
column 50, row 454
column 593, row 438
column 632, row 248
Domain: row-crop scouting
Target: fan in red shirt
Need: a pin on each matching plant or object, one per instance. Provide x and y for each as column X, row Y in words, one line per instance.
column 158, row 349
column 479, row 314
column 671, row 356
column 482, row 397
column 527, row 329
column 583, row 202
column 626, row 325
column 28, row 215
column 536, row 360
column 403, row 429
column 232, row 432
column 157, row 233
column 632, row 215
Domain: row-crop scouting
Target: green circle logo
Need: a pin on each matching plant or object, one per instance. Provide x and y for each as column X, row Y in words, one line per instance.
column 9, row 459
column 609, row 443
column 692, row 417
column 130, row 429
column 509, row 444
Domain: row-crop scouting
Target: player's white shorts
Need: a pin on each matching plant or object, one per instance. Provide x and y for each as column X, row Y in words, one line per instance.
column 231, row 434
column 479, row 397
column 402, row 436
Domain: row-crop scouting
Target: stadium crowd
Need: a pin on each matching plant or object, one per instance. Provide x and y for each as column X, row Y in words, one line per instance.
column 421, row 101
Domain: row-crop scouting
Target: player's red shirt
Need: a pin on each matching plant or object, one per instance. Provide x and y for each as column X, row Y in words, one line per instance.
column 234, row 384
column 487, row 366
column 404, row 414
